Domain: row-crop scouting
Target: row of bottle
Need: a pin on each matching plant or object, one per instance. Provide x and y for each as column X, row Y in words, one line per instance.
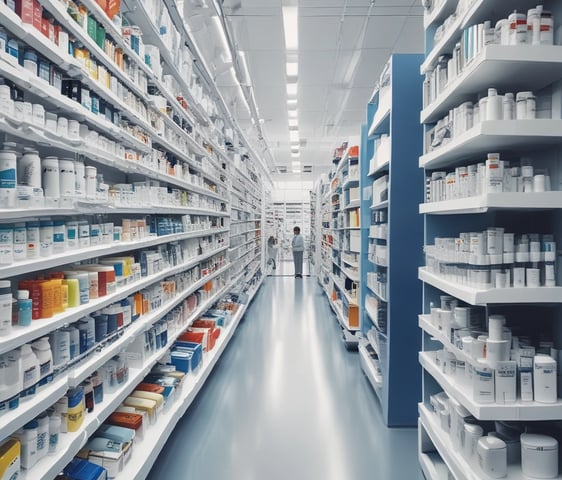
column 495, row 259
column 492, row 176
column 524, row 106
column 536, row 28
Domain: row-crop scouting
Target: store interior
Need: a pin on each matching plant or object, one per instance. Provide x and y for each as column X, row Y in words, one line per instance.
column 165, row 165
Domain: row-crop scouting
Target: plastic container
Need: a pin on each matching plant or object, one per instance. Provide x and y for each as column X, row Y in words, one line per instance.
column 46, row 237
column 8, row 165
column 79, row 179
column 25, row 305
column 30, row 370
column 29, row 169
column 59, row 236
column 67, row 178
column 20, row 242
column 42, row 436
column 60, row 341
column 42, row 350
column 50, row 177
column 539, row 456
column 5, row 307
column 33, row 239
column 492, row 456
column 28, row 439
column 54, row 432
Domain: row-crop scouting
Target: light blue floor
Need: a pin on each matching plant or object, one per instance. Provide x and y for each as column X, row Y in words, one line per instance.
column 287, row 402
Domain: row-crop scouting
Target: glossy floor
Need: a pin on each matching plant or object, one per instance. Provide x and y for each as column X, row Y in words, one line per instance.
column 287, row 401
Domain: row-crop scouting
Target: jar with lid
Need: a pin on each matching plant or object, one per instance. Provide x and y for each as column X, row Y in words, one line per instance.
column 50, row 177
column 29, row 169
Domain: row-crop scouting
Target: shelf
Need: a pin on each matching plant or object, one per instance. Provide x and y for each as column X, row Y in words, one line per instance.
column 355, row 275
column 340, row 316
column 474, row 296
column 30, row 407
column 85, row 368
column 72, row 256
column 20, row 335
column 506, row 68
column 381, row 119
column 352, row 205
column 352, row 301
column 350, row 183
column 146, row 453
column 439, row 13
column 495, row 201
column 71, row 443
column 424, row 322
column 433, row 466
column 370, row 372
column 517, row 411
column 495, row 135
column 461, row 469
column 381, row 167
column 379, row 206
column 376, row 294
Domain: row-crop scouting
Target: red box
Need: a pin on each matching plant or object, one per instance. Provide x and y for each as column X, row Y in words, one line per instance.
column 151, row 387
column 37, row 14
column 113, row 7
column 45, row 27
column 24, row 8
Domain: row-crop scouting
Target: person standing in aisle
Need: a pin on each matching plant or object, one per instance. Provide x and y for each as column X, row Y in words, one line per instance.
column 272, row 251
column 298, row 251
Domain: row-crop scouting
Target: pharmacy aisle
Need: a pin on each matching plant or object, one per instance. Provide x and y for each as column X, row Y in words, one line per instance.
column 287, row 401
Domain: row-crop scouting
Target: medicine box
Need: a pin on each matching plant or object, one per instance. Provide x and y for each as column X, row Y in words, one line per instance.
column 79, row 469
column 10, row 453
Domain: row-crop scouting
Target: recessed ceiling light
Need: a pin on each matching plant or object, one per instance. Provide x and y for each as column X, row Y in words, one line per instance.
column 291, row 102
column 293, row 113
column 292, row 89
column 293, row 122
column 291, row 27
column 294, row 135
column 295, row 155
column 296, row 170
column 292, row 69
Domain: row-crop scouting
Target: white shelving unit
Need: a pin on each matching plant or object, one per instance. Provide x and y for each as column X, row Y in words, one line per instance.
column 219, row 186
column 534, row 68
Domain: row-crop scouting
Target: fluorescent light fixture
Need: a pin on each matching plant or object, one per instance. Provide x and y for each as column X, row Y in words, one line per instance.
column 296, row 170
column 294, row 135
column 224, row 40
column 292, row 89
column 293, row 122
column 246, row 72
column 291, row 27
column 292, row 69
column 296, row 155
column 292, row 102
column 352, row 67
column 293, row 113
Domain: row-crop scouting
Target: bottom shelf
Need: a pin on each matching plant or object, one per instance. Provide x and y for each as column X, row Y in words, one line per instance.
column 370, row 370
column 459, row 466
column 433, row 466
column 146, row 452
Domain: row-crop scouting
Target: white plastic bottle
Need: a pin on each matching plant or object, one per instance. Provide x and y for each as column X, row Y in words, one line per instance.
column 28, row 439
column 30, row 370
column 54, row 432
column 42, row 350
column 42, row 436
column 29, row 169
column 5, row 307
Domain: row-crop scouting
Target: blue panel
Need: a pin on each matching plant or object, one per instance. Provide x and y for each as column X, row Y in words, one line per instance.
column 402, row 382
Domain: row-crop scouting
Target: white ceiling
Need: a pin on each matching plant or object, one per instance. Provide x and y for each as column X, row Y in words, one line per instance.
column 330, row 110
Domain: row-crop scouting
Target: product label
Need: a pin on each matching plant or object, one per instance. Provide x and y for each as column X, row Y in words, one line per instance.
column 8, row 178
column 42, row 439
column 45, row 368
column 53, row 441
column 29, row 376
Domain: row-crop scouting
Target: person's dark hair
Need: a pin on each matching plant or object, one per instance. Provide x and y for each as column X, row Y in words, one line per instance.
column 297, row 230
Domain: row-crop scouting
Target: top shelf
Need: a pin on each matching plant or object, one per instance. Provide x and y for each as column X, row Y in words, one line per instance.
column 439, row 13
column 479, row 11
column 504, row 67
column 381, row 119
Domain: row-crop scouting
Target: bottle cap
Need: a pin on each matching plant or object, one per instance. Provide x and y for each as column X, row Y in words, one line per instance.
column 22, row 295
